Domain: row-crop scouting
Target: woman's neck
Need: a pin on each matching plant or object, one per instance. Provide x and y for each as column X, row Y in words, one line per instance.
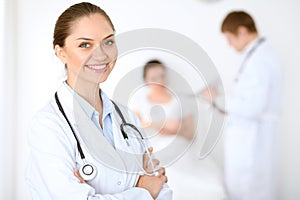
column 89, row 91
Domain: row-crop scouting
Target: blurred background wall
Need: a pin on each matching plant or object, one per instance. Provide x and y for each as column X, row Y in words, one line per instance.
column 30, row 72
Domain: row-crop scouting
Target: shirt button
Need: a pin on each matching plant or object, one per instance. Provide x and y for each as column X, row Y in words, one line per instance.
column 119, row 183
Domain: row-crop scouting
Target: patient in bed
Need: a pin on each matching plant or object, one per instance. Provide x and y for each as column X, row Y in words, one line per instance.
column 169, row 123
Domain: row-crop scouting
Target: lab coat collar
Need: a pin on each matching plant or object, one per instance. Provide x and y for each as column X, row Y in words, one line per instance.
column 96, row 144
column 107, row 105
column 250, row 46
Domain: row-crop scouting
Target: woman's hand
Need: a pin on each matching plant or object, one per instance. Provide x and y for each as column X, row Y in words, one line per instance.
column 77, row 175
column 147, row 165
column 153, row 183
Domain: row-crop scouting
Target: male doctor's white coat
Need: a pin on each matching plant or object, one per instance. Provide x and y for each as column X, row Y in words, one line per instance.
column 250, row 131
column 54, row 155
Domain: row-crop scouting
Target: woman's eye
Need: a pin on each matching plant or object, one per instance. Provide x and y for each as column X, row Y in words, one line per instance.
column 108, row 42
column 84, row 45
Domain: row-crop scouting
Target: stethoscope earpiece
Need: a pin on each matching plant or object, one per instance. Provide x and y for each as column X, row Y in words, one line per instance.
column 88, row 171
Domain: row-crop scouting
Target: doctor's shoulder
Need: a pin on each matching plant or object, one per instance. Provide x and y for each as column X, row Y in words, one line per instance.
column 46, row 129
column 267, row 53
column 264, row 60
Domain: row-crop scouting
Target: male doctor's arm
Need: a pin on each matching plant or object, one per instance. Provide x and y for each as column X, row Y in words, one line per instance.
column 53, row 162
column 250, row 95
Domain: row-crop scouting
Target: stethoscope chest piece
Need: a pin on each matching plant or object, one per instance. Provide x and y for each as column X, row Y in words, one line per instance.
column 88, row 171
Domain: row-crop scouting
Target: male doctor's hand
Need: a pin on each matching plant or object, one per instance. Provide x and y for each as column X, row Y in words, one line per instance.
column 210, row 93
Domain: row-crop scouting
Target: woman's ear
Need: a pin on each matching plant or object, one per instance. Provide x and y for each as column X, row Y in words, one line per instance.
column 59, row 52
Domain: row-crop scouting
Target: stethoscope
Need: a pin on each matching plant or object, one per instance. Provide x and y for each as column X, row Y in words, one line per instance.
column 88, row 171
column 248, row 55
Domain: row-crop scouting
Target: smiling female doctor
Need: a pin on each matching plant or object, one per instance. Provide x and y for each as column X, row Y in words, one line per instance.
column 78, row 150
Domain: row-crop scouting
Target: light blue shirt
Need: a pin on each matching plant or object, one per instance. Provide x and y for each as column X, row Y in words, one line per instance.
column 94, row 115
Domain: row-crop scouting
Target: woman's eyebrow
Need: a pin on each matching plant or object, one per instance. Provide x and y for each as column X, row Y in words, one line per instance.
column 108, row 36
column 83, row 38
column 89, row 39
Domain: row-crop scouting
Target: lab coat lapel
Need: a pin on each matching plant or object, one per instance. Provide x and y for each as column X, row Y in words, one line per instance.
column 121, row 158
column 132, row 155
column 94, row 141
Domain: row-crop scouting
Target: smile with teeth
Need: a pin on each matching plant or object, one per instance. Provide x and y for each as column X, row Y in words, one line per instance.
column 98, row 68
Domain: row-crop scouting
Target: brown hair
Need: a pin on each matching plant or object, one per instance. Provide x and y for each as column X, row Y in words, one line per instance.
column 236, row 19
column 65, row 21
column 151, row 64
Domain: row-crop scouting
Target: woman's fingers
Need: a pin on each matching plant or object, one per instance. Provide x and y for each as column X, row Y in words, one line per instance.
column 146, row 157
column 150, row 149
column 162, row 171
column 155, row 163
column 77, row 175
column 164, row 179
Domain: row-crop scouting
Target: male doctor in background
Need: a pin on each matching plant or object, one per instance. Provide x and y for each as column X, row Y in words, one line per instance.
column 249, row 140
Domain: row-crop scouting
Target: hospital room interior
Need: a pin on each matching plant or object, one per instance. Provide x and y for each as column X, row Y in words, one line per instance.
column 31, row 73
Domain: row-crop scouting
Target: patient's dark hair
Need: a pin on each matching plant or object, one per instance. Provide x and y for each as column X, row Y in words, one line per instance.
column 151, row 64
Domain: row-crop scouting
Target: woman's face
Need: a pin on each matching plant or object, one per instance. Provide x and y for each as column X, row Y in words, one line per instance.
column 156, row 77
column 90, row 51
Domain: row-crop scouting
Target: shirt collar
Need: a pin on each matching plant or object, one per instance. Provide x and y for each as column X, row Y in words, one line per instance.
column 107, row 105
column 87, row 107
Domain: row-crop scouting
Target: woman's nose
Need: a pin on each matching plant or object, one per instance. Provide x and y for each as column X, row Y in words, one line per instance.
column 99, row 53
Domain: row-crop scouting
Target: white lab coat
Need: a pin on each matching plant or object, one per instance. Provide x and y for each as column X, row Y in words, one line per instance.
column 54, row 155
column 250, row 131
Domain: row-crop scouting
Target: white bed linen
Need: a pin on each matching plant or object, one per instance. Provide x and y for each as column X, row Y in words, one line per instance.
column 189, row 177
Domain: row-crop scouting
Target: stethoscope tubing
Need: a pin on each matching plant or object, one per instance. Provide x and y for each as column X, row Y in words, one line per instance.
column 124, row 134
column 248, row 55
column 65, row 116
